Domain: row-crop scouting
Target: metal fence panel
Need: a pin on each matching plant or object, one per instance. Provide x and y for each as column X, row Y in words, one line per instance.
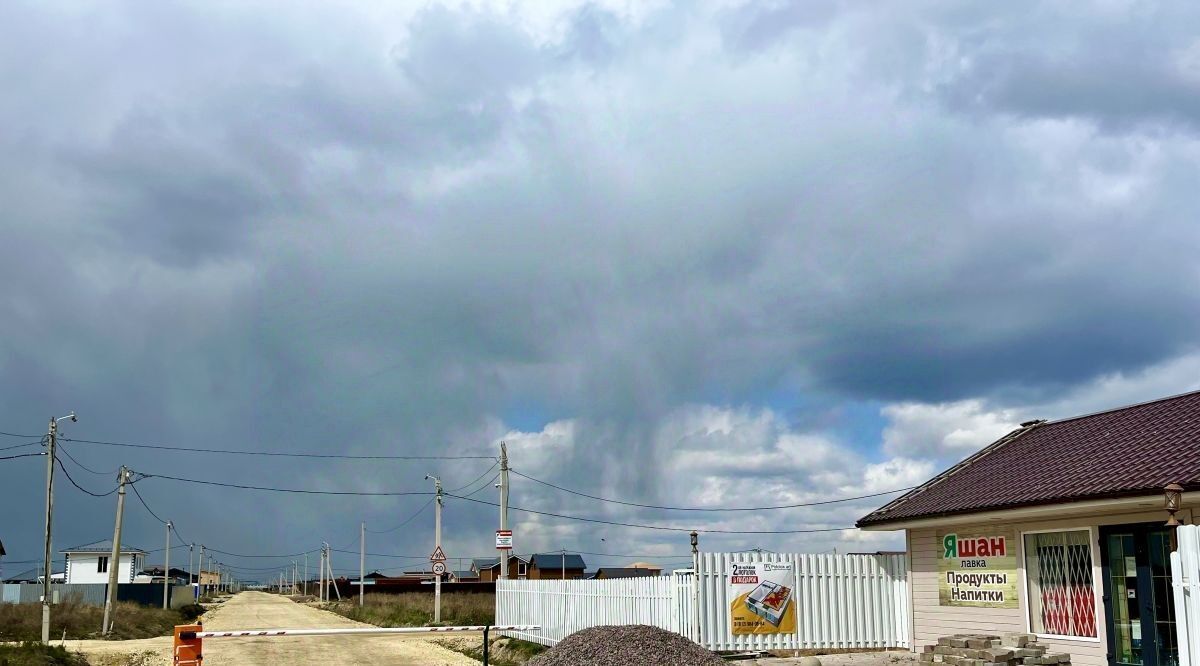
column 842, row 601
column 1185, row 580
column 562, row 607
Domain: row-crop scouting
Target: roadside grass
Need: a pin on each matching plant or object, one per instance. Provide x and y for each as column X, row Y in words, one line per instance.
column 503, row 652
column 415, row 609
column 23, row 622
column 36, row 654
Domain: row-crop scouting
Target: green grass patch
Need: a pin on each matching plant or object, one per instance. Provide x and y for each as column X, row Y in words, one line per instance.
column 36, row 654
column 23, row 622
column 415, row 609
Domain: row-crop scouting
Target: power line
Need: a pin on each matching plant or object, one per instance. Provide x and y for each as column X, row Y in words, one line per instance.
column 13, row 434
column 19, row 446
column 489, row 470
column 139, row 496
column 300, row 554
column 21, row 455
column 81, row 488
column 85, row 467
column 697, row 508
column 653, row 527
column 301, row 491
column 279, row 454
column 483, row 487
column 406, row 520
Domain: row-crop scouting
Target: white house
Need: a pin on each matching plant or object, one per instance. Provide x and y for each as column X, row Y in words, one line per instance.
column 89, row 563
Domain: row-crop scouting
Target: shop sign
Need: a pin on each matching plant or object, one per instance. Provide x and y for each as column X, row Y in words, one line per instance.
column 763, row 598
column 977, row 569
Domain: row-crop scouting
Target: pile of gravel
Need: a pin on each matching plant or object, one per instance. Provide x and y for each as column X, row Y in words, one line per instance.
column 618, row 646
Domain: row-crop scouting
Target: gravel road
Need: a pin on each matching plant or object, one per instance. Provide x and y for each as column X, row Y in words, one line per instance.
column 258, row 610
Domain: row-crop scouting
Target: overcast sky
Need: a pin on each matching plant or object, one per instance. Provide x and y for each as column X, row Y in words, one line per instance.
column 711, row 254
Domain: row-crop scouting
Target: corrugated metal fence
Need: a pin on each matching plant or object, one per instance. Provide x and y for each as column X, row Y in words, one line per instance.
column 842, row 601
column 1185, row 578
column 92, row 594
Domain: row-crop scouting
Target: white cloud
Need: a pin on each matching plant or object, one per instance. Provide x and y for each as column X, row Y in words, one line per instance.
column 949, row 429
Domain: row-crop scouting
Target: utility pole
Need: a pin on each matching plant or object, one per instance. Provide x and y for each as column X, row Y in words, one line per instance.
column 321, row 575
column 191, row 569
column 200, row 575
column 167, row 568
column 306, row 574
column 362, row 561
column 48, row 569
column 504, row 505
column 114, row 562
column 437, row 542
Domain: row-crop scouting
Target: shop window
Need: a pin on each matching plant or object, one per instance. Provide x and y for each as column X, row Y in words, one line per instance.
column 1058, row 570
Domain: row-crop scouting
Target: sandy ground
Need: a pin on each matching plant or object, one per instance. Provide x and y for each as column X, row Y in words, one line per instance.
column 257, row 610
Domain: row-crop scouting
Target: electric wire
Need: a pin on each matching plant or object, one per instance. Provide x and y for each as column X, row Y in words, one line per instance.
column 21, row 455
column 77, row 486
column 300, row 491
column 654, row 527
column 19, row 446
column 13, row 434
column 694, row 508
column 489, row 470
column 281, row 556
column 279, row 454
column 85, row 468
column 406, row 520
column 139, row 496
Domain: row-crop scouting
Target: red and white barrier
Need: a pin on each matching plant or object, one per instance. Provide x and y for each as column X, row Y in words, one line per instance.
column 188, row 635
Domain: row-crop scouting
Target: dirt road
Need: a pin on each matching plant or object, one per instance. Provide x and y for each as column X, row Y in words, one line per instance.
column 257, row 610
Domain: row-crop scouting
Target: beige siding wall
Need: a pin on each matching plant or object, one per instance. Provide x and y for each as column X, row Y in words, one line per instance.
column 931, row 621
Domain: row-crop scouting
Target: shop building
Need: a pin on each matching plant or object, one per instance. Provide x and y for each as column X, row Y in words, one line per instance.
column 1058, row 529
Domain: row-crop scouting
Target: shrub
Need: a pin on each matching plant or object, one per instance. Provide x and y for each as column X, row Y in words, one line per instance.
column 190, row 612
column 36, row 654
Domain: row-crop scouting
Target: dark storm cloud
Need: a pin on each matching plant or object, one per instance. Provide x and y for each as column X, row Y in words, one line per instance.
column 379, row 230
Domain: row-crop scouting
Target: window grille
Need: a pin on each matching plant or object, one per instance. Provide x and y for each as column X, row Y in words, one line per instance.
column 1061, row 596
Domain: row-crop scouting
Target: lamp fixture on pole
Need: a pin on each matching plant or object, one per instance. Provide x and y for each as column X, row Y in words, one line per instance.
column 1172, row 499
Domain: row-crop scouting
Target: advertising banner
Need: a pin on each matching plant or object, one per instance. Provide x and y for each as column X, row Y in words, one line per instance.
column 764, row 600
column 977, row 569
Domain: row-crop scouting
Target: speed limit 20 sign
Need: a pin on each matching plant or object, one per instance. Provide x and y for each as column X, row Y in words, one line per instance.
column 439, row 568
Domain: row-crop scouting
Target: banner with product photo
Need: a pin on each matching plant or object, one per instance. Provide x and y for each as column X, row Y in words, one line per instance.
column 764, row 600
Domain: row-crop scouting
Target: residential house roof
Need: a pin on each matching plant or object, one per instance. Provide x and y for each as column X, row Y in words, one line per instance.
column 626, row 572
column 558, row 560
column 104, row 546
column 465, row 574
column 1123, row 452
column 24, row 576
column 481, row 563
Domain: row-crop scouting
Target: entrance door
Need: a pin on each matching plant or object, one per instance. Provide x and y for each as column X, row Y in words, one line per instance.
column 1138, row 605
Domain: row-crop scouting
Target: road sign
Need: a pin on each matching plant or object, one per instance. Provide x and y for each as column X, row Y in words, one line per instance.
column 503, row 539
column 438, row 555
column 439, row 568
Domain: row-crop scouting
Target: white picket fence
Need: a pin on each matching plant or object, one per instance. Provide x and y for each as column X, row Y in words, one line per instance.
column 1185, row 579
column 842, row 601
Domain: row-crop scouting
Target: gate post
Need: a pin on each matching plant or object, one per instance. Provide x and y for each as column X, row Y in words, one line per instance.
column 188, row 648
column 486, row 643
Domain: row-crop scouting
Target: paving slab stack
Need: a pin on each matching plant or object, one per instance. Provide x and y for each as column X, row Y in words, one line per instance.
column 988, row 650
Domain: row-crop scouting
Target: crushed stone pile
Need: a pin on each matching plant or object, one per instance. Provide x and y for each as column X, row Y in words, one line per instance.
column 619, row 646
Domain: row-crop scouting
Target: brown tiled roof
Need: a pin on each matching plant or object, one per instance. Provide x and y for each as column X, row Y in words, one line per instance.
column 1129, row 451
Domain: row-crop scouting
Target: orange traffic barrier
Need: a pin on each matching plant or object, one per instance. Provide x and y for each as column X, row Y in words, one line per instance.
column 188, row 647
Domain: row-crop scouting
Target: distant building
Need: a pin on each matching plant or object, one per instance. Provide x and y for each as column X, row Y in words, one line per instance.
column 155, row 575
column 625, row 572
column 488, row 568
column 556, row 566
column 89, row 563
